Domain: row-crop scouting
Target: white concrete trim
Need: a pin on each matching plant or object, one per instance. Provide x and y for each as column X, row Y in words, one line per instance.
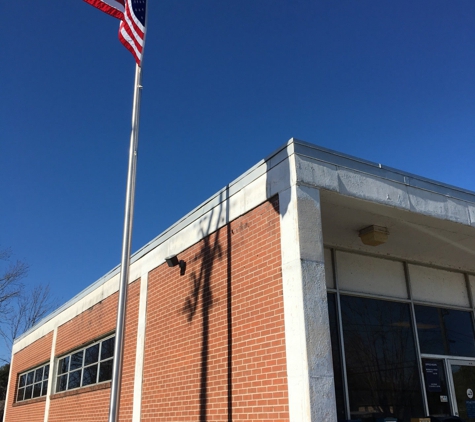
column 52, row 375
column 307, row 329
column 140, row 351
column 296, row 351
column 375, row 185
column 9, row 386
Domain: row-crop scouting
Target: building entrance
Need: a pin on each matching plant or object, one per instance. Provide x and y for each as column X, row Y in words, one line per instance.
column 450, row 387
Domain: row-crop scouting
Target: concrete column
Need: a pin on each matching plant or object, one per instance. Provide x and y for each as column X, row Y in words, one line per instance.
column 307, row 328
column 140, row 351
column 52, row 375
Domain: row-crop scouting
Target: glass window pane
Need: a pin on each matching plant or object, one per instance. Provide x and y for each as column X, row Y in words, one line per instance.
column 20, row 395
column 22, row 382
column 105, row 373
column 92, row 355
column 107, row 348
column 63, row 365
column 37, row 390
column 459, row 330
column 28, row 391
column 30, row 377
column 74, row 379
column 62, row 383
column 89, row 375
column 382, row 371
column 445, row 331
column 38, row 374
column 431, row 339
column 46, row 372
column 45, row 388
column 76, row 360
column 332, row 313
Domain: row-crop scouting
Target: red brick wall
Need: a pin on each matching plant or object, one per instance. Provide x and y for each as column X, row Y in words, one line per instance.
column 88, row 404
column 215, row 348
column 33, row 355
column 90, row 325
column 91, row 404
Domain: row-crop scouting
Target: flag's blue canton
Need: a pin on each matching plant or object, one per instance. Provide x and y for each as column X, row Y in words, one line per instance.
column 138, row 7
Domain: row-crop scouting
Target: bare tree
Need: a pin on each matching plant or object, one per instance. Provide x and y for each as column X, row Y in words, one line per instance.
column 10, row 281
column 31, row 306
column 21, row 306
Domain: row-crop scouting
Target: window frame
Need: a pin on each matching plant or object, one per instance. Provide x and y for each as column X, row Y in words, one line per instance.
column 43, row 382
column 62, row 378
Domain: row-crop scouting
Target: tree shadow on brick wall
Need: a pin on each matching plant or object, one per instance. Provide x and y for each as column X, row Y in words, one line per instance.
column 201, row 290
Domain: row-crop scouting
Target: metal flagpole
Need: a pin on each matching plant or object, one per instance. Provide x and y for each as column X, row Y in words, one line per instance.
column 126, row 246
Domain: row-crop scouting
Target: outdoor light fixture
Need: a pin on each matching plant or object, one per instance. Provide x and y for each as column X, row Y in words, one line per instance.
column 374, row 235
column 173, row 261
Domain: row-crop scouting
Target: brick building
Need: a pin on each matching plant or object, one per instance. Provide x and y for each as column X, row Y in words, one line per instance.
column 317, row 287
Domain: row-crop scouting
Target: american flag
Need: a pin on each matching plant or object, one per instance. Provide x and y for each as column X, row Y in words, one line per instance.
column 132, row 22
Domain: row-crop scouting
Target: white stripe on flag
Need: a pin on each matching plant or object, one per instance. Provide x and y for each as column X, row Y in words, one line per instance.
column 137, row 37
column 131, row 42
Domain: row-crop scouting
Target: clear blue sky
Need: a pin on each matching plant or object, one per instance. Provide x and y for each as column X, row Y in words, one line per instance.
column 225, row 84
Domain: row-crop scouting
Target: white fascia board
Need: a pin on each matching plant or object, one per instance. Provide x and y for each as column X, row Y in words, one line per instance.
column 303, row 149
column 324, row 169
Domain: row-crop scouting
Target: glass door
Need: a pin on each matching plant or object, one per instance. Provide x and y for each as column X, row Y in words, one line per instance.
column 463, row 389
column 437, row 391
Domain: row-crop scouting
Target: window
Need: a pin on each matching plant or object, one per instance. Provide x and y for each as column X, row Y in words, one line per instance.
column 87, row 366
column 33, row 383
column 381, row 359
column 445, row 331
